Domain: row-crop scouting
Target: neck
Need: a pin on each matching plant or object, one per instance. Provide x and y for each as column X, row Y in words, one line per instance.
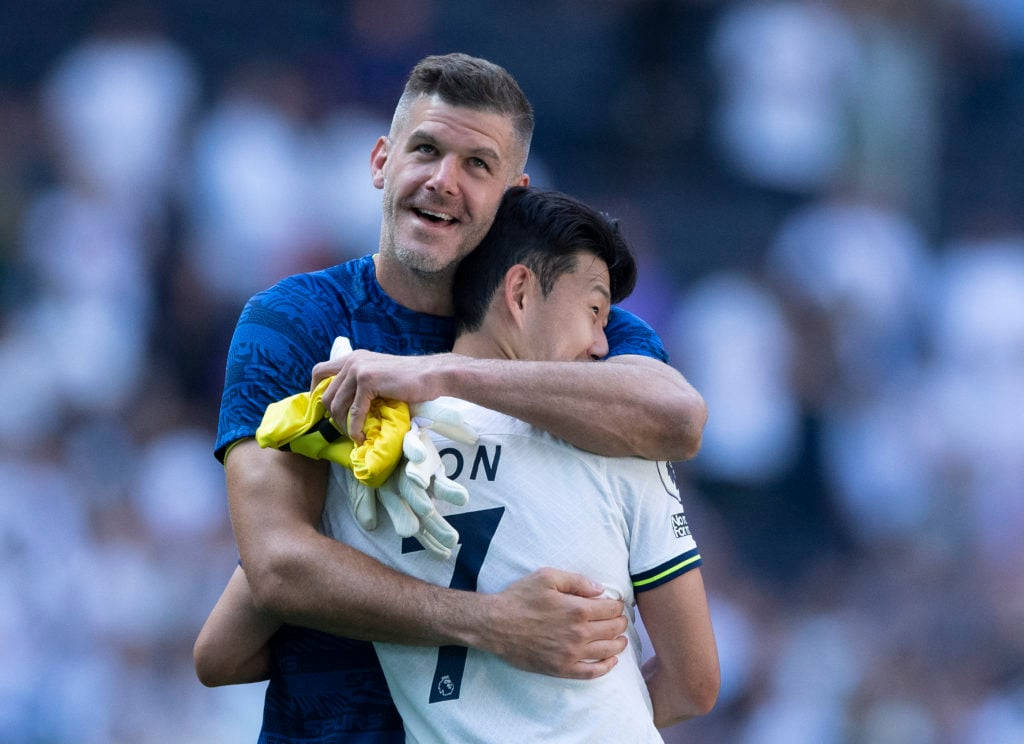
column 484, row 344
column 431, row 294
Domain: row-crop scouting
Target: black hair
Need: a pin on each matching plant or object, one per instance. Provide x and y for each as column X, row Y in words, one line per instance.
column 545, row 231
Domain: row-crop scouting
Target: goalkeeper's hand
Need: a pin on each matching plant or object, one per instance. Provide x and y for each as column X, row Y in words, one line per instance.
column 301, row 424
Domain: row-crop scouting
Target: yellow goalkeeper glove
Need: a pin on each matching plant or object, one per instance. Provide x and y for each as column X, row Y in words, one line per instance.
column 299, row 423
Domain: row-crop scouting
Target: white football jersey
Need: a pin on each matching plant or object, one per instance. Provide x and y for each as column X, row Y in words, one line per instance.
column 534, row 501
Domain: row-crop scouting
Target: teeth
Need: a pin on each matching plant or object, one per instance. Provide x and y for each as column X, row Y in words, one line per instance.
column 439, row 215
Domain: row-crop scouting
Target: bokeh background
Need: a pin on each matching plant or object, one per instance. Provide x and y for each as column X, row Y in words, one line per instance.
column 827, row 199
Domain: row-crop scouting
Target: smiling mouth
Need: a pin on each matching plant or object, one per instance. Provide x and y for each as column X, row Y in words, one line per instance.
column 435, row 217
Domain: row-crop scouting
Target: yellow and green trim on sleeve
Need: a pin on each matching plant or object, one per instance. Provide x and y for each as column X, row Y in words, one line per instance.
column 670, row 569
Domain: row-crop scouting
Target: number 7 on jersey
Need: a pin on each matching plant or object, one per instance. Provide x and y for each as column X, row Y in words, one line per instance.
column 476, row 529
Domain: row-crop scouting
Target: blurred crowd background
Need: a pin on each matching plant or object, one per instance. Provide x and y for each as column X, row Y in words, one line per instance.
column 827, row 199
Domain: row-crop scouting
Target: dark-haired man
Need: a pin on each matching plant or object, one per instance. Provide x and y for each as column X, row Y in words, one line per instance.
column 460, row 137
column 539, row 287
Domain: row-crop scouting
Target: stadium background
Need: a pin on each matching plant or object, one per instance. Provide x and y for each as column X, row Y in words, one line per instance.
column 827, row 202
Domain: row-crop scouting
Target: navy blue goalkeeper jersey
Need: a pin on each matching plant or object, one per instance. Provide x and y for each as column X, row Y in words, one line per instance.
column 324, row 689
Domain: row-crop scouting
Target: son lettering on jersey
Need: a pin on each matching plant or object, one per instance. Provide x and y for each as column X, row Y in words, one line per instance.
column 482, row 461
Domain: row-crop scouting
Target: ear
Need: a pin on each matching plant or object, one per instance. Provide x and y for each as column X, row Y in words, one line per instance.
column 524, row 180
column 378, row 156
column 515, row 291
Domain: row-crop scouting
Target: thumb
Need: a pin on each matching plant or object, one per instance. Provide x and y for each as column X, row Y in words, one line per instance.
column 357, row 416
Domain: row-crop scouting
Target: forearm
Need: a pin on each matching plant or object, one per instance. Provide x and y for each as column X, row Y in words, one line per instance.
column 683, row 677
column 671, row 705
column 307, row 579
column 320, row 583
column 543, row 623
column 233, row 645
column 627, row 405
column 624, row 406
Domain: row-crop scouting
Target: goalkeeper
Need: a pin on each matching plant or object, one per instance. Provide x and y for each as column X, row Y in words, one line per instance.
column 539, row 287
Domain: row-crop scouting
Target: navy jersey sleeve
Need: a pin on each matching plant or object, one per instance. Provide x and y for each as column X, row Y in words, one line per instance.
column 280, row 335
column 628, row 334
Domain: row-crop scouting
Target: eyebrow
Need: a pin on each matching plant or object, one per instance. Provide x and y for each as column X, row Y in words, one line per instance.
column 603, row 291
column 485, row 153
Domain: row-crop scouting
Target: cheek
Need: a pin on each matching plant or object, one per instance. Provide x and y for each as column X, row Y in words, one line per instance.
column 403, row 173
column 483, row 201
column 588, row 331
column 400, row 178
column 571, row 336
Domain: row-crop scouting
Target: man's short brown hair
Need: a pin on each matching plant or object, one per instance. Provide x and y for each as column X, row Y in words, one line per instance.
column 461, row 80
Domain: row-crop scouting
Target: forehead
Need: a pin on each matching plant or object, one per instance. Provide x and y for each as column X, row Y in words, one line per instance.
column 590, row 277
column 459, row 126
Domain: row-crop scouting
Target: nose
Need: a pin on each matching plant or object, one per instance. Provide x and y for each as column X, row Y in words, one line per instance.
column 444, row 179
column 599, row 347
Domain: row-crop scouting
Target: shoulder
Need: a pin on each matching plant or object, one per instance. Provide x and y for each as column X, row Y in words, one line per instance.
column 629, row 334
column 508, row 431
column 310, row 303
column 638, row 475
column 335, row 285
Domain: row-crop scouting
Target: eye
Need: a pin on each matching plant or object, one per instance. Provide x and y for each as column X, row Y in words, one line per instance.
column 478, row 163
column 426, row 149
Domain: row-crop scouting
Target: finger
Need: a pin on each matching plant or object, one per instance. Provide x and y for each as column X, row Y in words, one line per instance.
column 419, row 466
column 455, row 432
column 333, row 392
column 320, row 371
column 591, row 669
column 598, row 631
column 429, row 542
column 364, row 504
column 447, row 489
column 600, row 650
column 603, row 609
column 445, row 421
column 412, row 447
column 424, row 459
column 357, row 415
column 367, row 512
column 339, row 350
column 414, row 494
column 572, row 583
column 438, row 528
column 403, row 519
column 415, row 474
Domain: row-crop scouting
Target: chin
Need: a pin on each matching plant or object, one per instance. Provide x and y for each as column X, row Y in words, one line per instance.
column 427, row 260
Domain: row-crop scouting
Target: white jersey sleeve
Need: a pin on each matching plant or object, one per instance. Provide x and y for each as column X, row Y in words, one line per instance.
column 661, row 546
